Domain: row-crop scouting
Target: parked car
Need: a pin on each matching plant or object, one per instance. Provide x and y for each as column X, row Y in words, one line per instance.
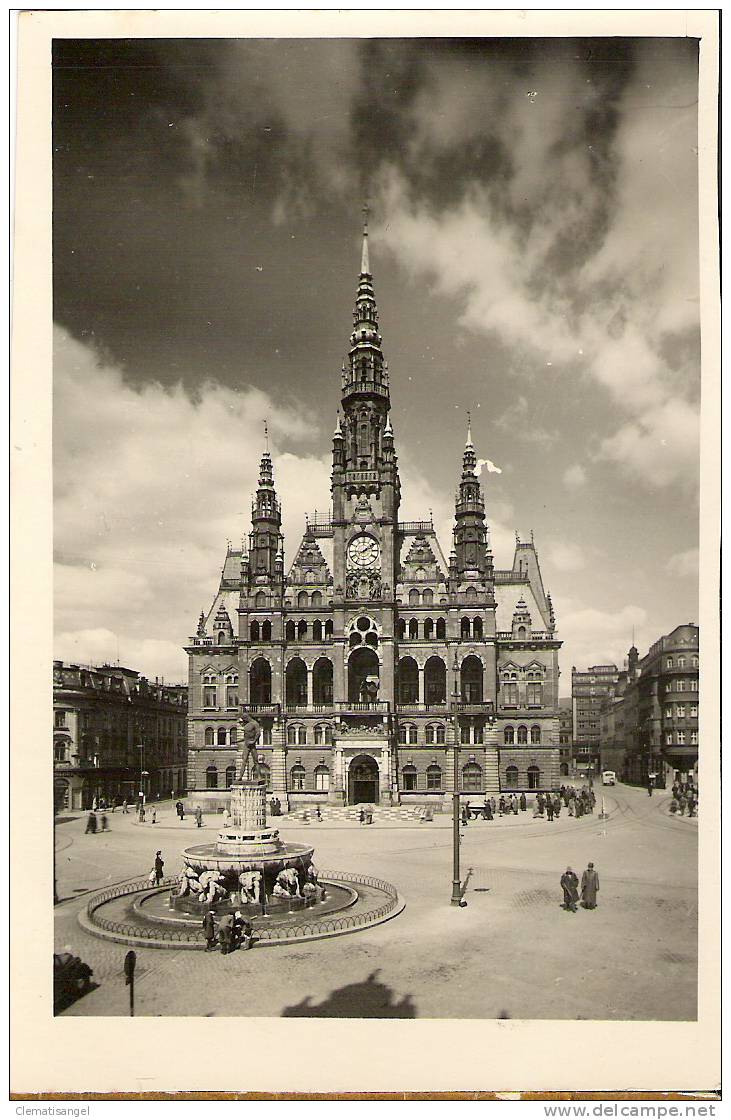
column 71, row 979
column 609, row 778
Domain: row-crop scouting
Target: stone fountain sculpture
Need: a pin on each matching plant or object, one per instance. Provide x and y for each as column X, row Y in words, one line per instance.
column 244, row 865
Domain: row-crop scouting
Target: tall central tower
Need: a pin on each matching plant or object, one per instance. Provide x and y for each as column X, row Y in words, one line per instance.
column 365, row 482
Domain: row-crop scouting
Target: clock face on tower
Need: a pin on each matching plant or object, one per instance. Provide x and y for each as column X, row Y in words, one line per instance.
column 363, row 552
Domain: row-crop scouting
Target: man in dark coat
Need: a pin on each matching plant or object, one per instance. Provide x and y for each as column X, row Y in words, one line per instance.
column 159, row 865
column 549, row 809
column 569, row 885
column 523, row 803
column 589, row 888
column 209, row 931
column 226, row 933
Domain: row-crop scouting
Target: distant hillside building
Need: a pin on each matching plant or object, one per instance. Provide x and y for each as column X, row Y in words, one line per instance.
column 114, row 733
column 373, row 657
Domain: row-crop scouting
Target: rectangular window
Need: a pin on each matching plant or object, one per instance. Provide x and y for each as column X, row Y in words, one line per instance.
column 209, row 696
column 434, row 778
column 534, row 695
column 464, row 733
column 668, row 713
column 680, row 711
column 510, row 695
column 669, row 738
column 694, row 738
column 409, row 780
column 479, row 734
column 322, row 779
column 694, row 711
column 59, row 754
column 681, row 738
column 266, row 736
column 232, row 696
column 60, row 719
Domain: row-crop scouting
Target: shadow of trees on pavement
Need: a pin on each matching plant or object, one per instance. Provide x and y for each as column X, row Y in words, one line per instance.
column 368, row 999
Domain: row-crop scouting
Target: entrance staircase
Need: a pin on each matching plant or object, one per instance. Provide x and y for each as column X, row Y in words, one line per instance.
column 352, row 813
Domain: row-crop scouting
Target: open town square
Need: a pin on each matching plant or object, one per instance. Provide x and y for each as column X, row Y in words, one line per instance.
column 512, row 952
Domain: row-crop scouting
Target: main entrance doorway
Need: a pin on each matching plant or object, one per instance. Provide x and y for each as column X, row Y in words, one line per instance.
column 363, row 780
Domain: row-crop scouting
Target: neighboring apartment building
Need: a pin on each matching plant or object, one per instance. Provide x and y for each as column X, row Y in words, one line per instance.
column 116, row 733
column 590, row 689
column 373, row 658
column 660, row 710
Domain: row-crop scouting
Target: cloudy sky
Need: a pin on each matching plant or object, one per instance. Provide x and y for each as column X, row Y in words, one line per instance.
column 534, row 247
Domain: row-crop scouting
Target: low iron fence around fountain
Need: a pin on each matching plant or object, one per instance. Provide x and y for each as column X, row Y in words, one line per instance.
column 313, row 928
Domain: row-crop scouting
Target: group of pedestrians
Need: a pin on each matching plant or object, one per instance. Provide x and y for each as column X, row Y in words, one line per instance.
column 94, row 824
column 685, row 798
column 548, row 805
column 589, row 889
column 232, row 932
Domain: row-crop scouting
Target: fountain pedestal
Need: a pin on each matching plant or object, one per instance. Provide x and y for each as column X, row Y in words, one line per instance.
column 247, row 843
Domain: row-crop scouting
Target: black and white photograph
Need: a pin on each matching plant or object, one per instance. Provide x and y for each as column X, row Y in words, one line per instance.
column 377, row 639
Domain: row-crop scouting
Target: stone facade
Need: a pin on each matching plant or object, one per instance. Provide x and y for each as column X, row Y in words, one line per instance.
column 373, row 657
column 111, row 727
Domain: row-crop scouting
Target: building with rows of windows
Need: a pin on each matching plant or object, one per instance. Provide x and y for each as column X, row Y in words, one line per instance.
column 649, row 726
column 372, row 658
column 116, row 733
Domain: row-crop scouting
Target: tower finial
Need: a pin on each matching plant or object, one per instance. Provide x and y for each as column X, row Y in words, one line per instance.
column 266, row 436
column 469, row 429
column 365, row 266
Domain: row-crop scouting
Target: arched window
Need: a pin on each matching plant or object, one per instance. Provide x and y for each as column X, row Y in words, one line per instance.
column 296, row 735
column 427, row 597
column 472, row 778
column 261, row 599
column 295, row 687
column 221, row 737
column 435, row 733
column 209, row 737
column 509, row 735
column 323, row 734
column 408, row 681
column 534, row 777
column 317, row 630
column 297, row 777
column 413, row 628
column 290, row 632
column 476, row 627
column 535, row 734
column 266, row 631
column 408, row 778
column 254, row 632
column 435, row 681
column 329, row 628
column 407, row 734
column 470, row 595
column 521, row 633
column 428, row 628
column 511, row 777
column 316, row 600
column 433, row 777
column 211, row 777
column 230, row 776
column 222, row 637
column 301, row 629
column 522, row 734
column 233, row 736
column 420, row 573
column 401, row 628
column 464, row 628
column 413, row 597
column 564, row 769
column 260, row 682
column 322, row 681
column 441, row 628
column 471, row 680
column 322, row 778
column 303, row 599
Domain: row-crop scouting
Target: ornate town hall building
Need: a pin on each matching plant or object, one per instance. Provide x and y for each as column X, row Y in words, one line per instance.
column 373, row 658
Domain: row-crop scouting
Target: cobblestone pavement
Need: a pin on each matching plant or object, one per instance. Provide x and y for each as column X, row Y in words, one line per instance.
column 512, row 952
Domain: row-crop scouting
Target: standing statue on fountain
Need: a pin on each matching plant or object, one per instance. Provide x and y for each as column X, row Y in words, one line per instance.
column 251, row 732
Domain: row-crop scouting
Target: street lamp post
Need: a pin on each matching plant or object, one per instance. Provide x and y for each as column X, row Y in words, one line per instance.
column 456, row 899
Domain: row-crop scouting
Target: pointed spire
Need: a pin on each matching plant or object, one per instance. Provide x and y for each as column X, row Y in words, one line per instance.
column 266, row 436
column 388, row 430
column 338, row 433
column 365, row 267
column 469, row 442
